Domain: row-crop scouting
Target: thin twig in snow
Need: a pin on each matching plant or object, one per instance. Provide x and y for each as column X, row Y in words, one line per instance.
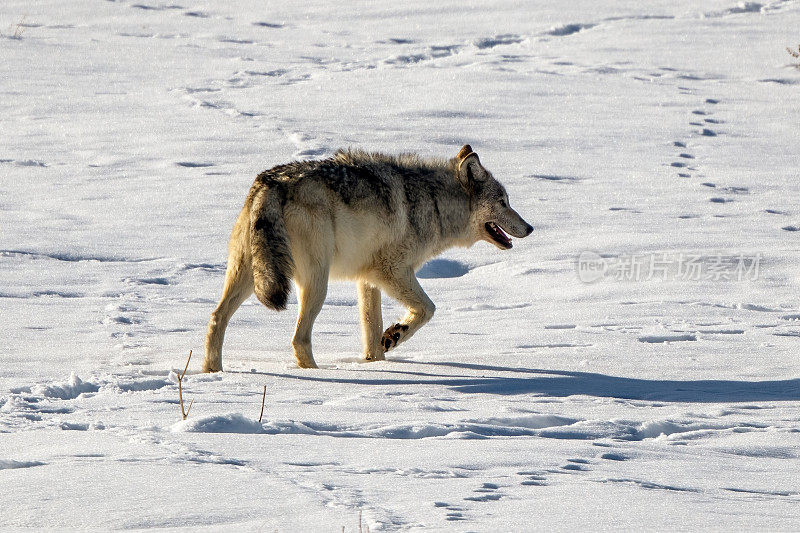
column 263, row 397
column 180, row 388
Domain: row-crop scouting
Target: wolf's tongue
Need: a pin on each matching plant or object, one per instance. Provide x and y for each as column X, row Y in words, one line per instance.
column 498, row 233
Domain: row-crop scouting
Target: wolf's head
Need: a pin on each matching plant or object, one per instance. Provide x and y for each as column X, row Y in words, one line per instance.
column 490, row 214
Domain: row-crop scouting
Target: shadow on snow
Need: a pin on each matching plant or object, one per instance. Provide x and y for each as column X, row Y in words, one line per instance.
column 560, row 383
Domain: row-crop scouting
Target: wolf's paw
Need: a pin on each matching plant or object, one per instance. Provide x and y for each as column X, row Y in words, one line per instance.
column 307, row 363
column 392, row 336
column 212, row 366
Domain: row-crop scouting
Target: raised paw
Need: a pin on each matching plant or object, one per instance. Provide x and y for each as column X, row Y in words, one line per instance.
column 392, row 335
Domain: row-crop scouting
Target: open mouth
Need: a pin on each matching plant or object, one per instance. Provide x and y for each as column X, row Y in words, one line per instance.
column 498, row 235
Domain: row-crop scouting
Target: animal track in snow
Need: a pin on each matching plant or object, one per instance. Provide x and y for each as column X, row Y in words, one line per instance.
column 498, row 40
column 307, row 147
column 762, row 492
column 552, row 345
column 397, row 40
column 7, row 464
column 654, row 339
column 610, row 456
column 454, row 512
column 576, row 465
column 160, row 7
column 536, row 478
column 272, row 25
column 486, row 493
column 650, row 485
column 432, row 52
column 569, row 29
column 194, row 164
column 556, row 178
column 781, row 81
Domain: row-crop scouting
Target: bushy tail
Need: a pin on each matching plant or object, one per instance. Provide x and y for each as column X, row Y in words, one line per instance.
column 269, row 245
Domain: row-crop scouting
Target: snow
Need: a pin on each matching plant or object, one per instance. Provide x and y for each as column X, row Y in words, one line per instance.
column 536, row 398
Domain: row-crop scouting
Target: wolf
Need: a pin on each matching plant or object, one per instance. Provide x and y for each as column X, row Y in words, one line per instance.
column 368, row 217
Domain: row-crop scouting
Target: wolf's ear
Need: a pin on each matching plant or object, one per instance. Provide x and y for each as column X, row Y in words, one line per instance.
column 469, row 168
column 464, row 152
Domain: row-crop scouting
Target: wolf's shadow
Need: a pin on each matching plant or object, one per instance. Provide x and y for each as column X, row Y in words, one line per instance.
column 506, row 381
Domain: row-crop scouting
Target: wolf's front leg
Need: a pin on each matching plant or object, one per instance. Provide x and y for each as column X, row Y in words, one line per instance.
column 405, row 288
column 369, row 303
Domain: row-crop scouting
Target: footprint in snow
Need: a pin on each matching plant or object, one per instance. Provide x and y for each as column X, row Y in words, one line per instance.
column 486, row 493
column 576, row 465
column 658, row 339
column 397, row 40
column 273, row 25
column 610, row 456
column 155, row 8
column 569, row 29
column 498, row 40
column 194, row 164
column 454, row 512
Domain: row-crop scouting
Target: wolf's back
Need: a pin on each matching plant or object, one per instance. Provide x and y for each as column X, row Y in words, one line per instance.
column 269, row 245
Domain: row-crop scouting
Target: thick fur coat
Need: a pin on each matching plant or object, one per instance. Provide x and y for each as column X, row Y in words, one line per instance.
column 368, row 217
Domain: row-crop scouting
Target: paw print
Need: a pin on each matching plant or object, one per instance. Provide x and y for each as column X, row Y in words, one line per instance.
column 392, row 335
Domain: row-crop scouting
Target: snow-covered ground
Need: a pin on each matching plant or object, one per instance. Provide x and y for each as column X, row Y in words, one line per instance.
column 659, row 134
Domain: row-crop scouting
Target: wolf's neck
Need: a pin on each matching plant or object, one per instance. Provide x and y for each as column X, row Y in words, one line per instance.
column 453, row 207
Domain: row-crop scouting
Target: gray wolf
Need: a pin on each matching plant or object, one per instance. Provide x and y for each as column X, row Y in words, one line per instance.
column 368, row 217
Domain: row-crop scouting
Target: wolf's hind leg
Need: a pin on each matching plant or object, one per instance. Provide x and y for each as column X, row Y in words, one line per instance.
column 406, row 289
column 238, row 287
column 369, row 302
column 312, row 286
